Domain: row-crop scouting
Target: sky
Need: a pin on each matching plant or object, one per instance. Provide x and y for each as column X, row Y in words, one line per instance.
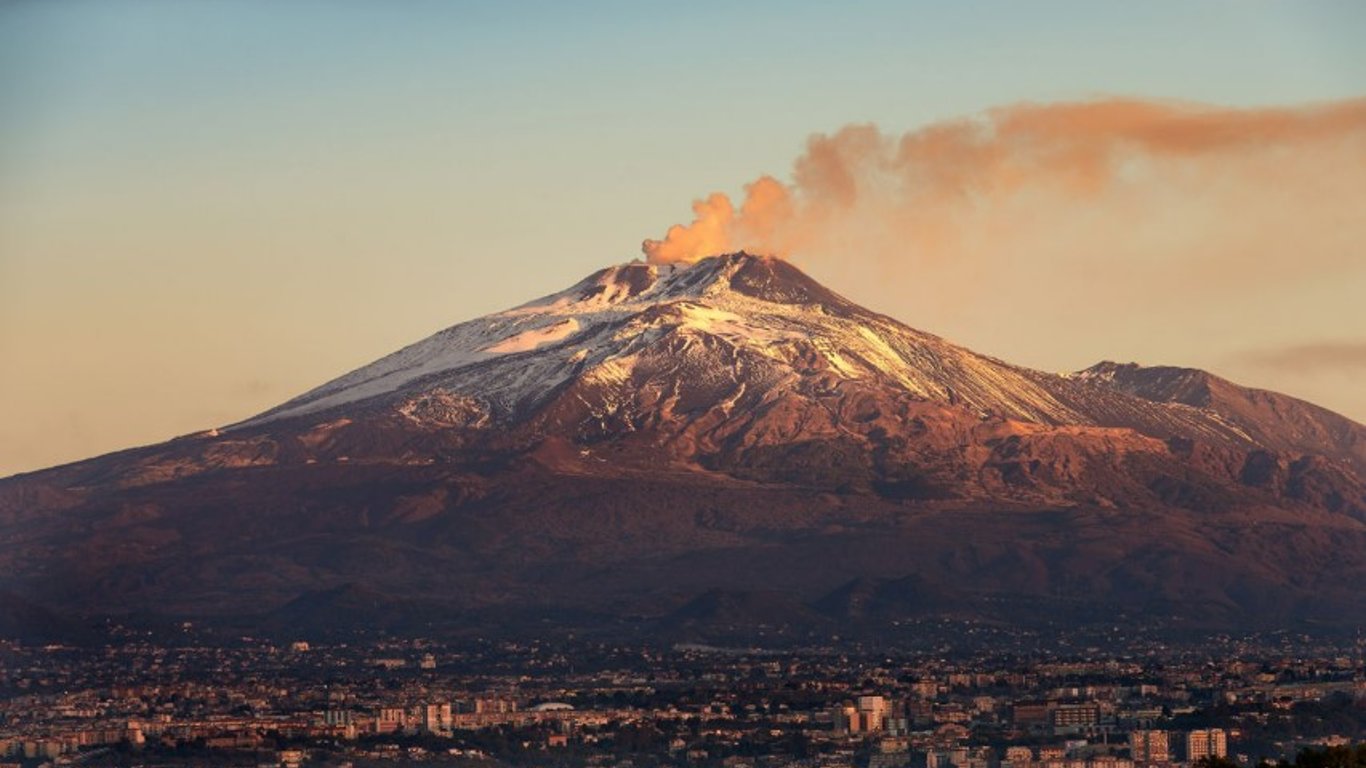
column 207, row 208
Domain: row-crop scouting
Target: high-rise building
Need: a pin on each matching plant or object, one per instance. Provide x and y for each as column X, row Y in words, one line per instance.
column 1210, row 742
column 872, row 711
column 1148, row 747
column 866, row 715
column 390, row 719
column 495, row 706
column 845, row 718
column 436, row 718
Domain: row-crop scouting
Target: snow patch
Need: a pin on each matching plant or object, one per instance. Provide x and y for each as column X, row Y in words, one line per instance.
column 529, row 340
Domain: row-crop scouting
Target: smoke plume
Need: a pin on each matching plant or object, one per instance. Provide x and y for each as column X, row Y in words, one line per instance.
column 953, row 189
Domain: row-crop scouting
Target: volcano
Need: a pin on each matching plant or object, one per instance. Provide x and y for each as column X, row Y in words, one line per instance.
column 726, row 446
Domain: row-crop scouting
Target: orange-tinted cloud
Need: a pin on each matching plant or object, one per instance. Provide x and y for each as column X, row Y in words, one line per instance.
column 920, row 195
column 1313, row 357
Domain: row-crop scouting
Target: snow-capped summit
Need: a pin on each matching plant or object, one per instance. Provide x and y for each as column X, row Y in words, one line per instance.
column 763, row 278
column 737, row 318
column 637, row 342
column 511, row 359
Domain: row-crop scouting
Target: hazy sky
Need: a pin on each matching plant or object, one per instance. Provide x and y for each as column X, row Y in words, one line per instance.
column 209, row 207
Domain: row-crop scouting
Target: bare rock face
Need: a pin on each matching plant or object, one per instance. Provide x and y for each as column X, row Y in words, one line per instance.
column 679, row 443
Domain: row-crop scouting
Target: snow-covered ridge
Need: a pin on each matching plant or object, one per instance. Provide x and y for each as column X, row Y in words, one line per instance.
column 725, row 324
column 576, row 317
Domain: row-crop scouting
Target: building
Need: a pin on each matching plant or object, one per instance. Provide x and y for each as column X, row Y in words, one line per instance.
column 390, row 720
column 493, row 706
column 436, row 718
column 1031, row 714
column 960, row 757
column 873, row 711
column 1074, row 716
column 1149, row 747
column 868, row 714
column 1211, row 742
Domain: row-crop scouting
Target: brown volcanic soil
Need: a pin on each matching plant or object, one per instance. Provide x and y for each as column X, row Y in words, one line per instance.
column 1018, row 523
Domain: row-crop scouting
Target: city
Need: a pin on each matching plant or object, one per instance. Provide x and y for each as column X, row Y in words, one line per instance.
column 486, row 702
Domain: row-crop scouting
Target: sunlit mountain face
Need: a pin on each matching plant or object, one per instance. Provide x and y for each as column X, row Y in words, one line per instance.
column 659, row 444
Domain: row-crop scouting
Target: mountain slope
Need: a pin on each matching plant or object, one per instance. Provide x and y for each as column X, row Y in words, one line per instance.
column 667, row 442
column 1268, row 419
